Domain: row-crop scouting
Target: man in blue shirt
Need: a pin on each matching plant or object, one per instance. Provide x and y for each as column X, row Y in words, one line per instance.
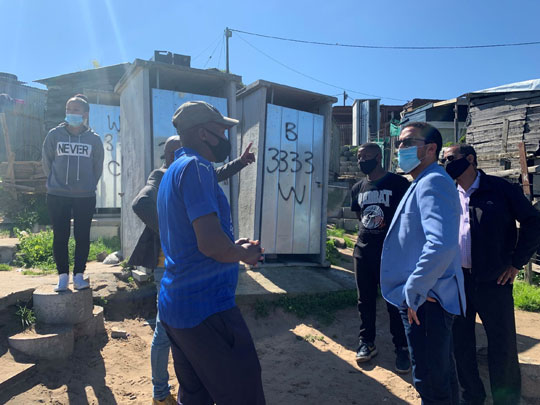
column 420, row 264
column 214, row 355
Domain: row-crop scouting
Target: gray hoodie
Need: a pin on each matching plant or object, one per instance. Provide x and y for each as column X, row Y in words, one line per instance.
column 72, row 163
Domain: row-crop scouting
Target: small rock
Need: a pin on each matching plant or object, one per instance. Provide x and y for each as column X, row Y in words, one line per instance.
column 101, row 256
column 339, row 243
column 117, row 333
column 112, row 259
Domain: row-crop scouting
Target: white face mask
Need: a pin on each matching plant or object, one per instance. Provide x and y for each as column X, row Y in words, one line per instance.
column 74, row 120
column 408, row 159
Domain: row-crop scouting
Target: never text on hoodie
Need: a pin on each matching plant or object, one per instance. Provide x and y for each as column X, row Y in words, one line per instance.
column 72, row 163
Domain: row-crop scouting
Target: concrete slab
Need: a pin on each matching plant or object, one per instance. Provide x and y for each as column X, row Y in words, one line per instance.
column 272, row 282
column 263, row 283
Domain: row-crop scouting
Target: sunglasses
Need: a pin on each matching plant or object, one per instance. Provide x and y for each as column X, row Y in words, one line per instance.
column 408, row 142
column 447, row 159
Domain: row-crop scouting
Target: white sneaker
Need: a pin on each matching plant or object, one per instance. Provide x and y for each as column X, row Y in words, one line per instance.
column 63, row 280
column 79, row 282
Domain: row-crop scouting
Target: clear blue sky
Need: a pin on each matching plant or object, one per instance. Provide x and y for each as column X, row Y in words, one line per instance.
column 41, row 39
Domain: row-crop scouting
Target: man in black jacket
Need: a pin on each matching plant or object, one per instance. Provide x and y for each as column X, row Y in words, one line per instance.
column 492, row 253
column 148, row 253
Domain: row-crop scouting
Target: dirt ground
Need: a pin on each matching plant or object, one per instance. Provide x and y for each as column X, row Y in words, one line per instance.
column 302, row 362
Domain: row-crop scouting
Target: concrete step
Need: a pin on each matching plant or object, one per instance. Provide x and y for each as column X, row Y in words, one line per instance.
column 93, row 326
column 68, row 307
column 350, row 224
column 140, row 275
column 348, row 214
column 8, row 247
column 45, row 342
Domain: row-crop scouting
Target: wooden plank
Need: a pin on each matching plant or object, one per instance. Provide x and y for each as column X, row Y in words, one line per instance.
column 524, row 170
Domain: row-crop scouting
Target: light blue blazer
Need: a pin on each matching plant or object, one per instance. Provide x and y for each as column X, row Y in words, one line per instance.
column 421, row 256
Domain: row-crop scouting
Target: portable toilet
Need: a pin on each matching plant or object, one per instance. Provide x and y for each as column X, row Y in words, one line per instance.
column 282, row 198
column 150, row 92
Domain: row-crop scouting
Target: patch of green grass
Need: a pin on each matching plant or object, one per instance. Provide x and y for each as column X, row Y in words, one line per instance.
column 526, row 297
column 36, row 251
column 5, row 267
column 39, row 272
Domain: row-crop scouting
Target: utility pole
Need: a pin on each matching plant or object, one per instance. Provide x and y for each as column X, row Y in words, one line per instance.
column 344, row 97
column 228, row 34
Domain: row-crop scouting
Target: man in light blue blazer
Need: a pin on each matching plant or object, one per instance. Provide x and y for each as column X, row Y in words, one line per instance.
column 420, row 265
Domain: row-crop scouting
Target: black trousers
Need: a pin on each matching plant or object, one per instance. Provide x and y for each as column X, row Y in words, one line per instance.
column 216, row 361
column 430, row 345
column 495, row 305
column 61, row 210
column 367, row 271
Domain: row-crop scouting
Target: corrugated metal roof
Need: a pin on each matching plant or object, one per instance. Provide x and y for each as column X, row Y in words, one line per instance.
column 526, row 85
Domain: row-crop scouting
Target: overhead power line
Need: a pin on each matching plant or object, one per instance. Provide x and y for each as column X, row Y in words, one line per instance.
column 416, row 48
column 314, row 78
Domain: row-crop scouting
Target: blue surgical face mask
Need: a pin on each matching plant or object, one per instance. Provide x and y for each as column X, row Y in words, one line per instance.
column 408, row 159
column 74, row 120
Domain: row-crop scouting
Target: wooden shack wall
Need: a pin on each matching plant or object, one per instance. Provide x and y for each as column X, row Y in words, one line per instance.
column 25, row 121
column 498, row 122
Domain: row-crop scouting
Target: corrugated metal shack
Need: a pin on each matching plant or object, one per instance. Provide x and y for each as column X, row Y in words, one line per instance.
column 97, row 84
column 24, row 117
column 499, row 119
column 22, row 108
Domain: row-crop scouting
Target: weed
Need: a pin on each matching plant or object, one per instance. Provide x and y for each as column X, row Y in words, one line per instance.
column 348, row 242
column 131, row 280
column 314, row 338
column 108, row 245
column 526, row 297
column 26, row 315
column 322, row 306
column 261, row 309
column 5, row 267
column 332, row 254
column 335, row 232
column 124, row 264
column 100, row 301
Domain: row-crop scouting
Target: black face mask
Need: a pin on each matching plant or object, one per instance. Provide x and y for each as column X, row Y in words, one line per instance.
column 222, row 150
column 457, row 167
column 367, row 166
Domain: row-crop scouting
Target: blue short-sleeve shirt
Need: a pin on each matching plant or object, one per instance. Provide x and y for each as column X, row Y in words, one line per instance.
column 194, row 286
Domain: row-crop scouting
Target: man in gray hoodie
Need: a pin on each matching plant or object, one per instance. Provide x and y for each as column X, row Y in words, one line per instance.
column 72, row 159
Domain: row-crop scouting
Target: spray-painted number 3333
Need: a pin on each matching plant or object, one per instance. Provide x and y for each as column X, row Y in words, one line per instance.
column 280, row 158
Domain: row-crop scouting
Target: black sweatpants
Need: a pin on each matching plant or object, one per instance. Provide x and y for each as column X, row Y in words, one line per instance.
column 367, row 270
column 61, row 210
column 495, row 305
column 216, row 361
